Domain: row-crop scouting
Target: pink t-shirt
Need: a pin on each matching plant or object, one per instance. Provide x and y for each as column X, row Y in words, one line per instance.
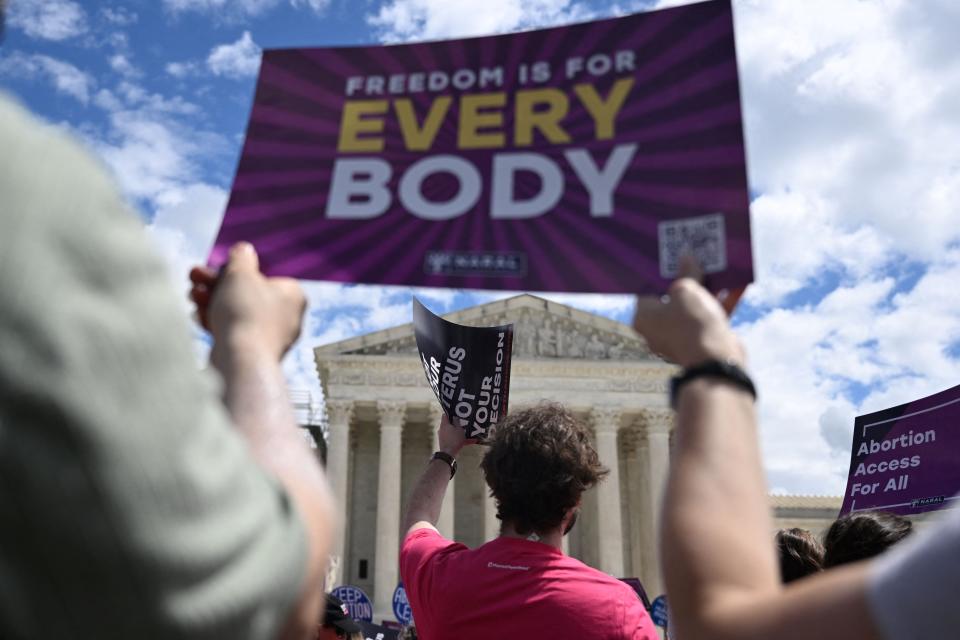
column 513, row 588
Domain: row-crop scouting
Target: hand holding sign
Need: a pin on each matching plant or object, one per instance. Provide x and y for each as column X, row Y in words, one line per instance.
column 451, row 438
column 687, row 326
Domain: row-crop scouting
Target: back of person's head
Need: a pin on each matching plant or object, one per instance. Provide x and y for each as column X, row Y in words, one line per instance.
column 862, row 535
column 539, row 463
column 801, row 554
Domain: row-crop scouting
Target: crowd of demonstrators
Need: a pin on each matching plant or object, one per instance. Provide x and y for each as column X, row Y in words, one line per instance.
column 521, row 584
column 140, row 497
column 862, row 535
column 801, row 554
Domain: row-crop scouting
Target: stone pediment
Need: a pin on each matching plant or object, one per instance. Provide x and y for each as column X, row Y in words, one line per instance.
column 542, row 329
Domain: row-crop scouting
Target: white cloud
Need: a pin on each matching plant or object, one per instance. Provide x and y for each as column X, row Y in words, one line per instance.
column 185, row 225
column 122, row 65
column 235, row 60
column 843, row 103
column 64, row 77
column 48, row 19
column 399, row 20
column 136, row 96
column 862, row 348
column 246, row 7
column 241, row 8
column 319, row 6
column 119, row 16
column 182, row 69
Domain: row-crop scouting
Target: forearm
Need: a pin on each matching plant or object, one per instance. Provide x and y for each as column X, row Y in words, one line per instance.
column 426, row 499
column 255, row 394
column 717, row 546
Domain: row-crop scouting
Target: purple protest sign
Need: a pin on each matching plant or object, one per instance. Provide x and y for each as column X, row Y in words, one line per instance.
column 906, row 459
column 580, row 158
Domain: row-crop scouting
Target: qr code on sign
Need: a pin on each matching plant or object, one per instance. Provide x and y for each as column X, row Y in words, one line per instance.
column 703, row 236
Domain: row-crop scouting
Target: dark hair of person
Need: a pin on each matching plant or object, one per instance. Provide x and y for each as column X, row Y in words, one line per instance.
column 539, row 463
column 801, row 554
column 862, row 535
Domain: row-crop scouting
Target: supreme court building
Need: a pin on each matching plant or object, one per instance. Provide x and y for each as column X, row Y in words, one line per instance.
column 382, row 419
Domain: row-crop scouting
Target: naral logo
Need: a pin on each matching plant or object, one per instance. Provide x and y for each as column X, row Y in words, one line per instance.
column 922, row 502
column 475, row 263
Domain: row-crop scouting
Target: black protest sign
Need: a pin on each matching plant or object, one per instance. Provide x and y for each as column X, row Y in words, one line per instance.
column 468, row 369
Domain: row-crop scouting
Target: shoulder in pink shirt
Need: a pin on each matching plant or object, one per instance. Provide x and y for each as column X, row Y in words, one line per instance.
column 513, row 588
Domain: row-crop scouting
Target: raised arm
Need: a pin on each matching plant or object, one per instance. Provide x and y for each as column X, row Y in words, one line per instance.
column 718, row 559
column 254, row 320
column 426, row 499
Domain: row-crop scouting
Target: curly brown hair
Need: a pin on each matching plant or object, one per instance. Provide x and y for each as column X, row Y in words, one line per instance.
column 539, row 463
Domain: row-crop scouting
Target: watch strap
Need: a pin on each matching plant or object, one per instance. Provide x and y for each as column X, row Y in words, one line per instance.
column 725, row 370
column 446, row 457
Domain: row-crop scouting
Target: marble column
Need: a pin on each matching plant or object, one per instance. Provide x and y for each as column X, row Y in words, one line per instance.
column 445, row 523
column 632, row 491
column 657, row 424
column 644, row 553
column 339, row 413
column 386, row 571
column 606, row 424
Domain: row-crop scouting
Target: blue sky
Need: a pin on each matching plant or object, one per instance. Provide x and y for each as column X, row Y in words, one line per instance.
column 850, row 116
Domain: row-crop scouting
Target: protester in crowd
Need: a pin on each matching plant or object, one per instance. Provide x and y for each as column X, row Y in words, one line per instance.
column 725, row 586
column 133, row 504
column 862, row 535
column 801, row 554
column 337, row 623
column 521, row 584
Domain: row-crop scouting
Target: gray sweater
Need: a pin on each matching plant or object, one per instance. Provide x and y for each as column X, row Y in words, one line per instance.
column 129, row 507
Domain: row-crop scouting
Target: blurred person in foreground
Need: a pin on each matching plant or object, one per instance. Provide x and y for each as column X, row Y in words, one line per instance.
column 862, row 535
column 521, row 584
column 140, row 497
column 726, row 586
column 801, row 554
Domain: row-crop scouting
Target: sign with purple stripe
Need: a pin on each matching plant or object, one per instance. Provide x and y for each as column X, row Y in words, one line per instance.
column 580, row 158
column 905, row 459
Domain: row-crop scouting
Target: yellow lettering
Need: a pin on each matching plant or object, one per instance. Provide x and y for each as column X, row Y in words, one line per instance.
column 604, row 112
column 472, row 119
column 353, row 123
column 415, row 137
column 528, row 117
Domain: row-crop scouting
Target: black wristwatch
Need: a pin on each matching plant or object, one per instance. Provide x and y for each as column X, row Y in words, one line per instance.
column 449, row 459
column 726, row 370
